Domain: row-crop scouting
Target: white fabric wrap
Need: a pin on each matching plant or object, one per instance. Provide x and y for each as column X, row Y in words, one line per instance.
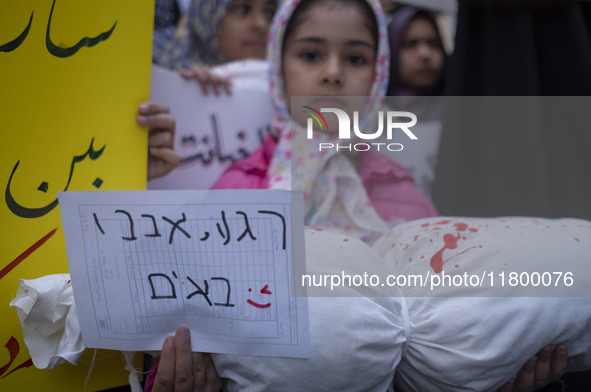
column 47, row 313
column 356, row 342
column 478, row 343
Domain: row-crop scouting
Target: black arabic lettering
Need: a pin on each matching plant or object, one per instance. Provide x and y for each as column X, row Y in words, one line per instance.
column 86, row 41
column 15, row 43
column 207, row 157
column 25, row 212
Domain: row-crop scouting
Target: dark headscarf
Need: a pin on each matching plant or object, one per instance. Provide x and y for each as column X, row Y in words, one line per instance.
column 401, row 20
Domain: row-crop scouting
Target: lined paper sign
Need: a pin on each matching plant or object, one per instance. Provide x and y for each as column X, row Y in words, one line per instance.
column 219, row 262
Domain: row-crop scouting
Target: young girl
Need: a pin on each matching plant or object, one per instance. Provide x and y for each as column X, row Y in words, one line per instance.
column 215, row 32
column 362, row 194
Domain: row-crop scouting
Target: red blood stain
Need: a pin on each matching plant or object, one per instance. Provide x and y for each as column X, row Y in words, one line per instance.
column 473, row 230
column 457, row 266
column 409, row 260
column 422, row 257
column 26, row 254
column 346, row 240
column 451, row 242
column 416, row 237
column 317, row 229
column 576, row 239
column 461, row 226
column 424, row 225
column 393, row 245
column 405, row 247
column 443, row 222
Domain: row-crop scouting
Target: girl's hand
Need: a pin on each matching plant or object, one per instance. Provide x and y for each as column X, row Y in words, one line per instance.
column 206, row 79
column 544, row 368
column 162, row 158
column 181, row 370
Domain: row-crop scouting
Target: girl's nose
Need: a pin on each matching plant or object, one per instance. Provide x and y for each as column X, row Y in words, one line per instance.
column 425, row 50
column 333, row 72
column 259, row 21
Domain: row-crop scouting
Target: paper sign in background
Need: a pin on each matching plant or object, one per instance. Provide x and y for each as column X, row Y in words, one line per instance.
column 73, row 74
column 212, row 131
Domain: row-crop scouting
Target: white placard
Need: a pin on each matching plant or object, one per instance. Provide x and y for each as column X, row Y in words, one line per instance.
column 213, row 131
column 144, row 263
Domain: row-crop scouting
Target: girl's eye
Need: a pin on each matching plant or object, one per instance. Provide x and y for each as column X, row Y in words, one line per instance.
column 241, row 9
column 310, row 56
column 433, row 44
column 409, row 44
column 356, row 60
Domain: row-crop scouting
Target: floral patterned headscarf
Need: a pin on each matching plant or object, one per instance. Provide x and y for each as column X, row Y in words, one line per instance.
column 334, row 194
column 196, row 39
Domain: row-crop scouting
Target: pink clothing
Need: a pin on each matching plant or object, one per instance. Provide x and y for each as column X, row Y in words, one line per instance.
column 389, row 185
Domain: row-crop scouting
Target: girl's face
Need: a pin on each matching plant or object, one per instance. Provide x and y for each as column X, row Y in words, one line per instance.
column 421, row 57
column 330, row 53
column 244, row 29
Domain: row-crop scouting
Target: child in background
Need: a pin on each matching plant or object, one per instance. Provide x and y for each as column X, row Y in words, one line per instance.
column 363, row 195
column 215, row 32
column 417, row 53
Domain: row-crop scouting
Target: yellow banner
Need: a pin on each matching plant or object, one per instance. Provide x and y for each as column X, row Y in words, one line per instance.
column 73, row 75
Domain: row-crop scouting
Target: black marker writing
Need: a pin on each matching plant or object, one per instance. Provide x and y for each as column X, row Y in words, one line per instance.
column 86, row 41
column 15, row 43
column 155, row 234
column 25, row 212
column 172, row 288
column 175, row 225
column 132, row 237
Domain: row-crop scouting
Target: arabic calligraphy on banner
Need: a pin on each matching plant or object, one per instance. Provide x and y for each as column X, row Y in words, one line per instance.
column 73, row 74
